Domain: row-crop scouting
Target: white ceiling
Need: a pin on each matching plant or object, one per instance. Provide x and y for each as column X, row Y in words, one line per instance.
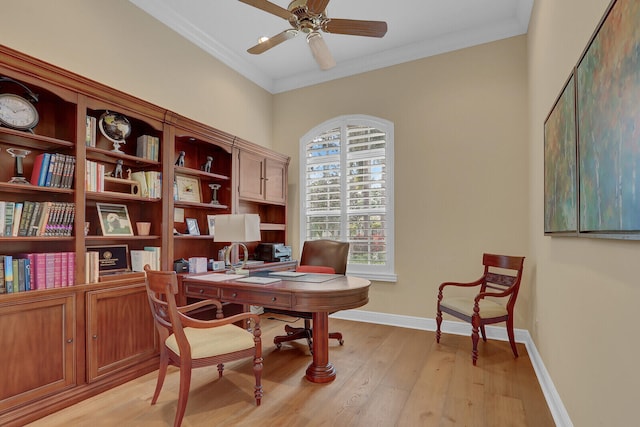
column 416, row 29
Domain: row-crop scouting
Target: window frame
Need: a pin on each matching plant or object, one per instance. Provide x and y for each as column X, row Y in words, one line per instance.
column 384, row 272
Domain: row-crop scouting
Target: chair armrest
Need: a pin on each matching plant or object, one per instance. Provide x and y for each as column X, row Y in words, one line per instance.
column 482, row 295
column 196, row 323
column 467, row 285
column 200, row 304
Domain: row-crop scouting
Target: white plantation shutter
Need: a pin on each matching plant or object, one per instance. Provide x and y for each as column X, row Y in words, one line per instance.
column 347, row 191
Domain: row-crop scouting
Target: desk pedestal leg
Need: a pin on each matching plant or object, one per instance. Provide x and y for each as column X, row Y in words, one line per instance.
column 321, row 370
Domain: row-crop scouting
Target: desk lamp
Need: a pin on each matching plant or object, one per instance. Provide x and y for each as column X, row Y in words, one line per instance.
column 237, row 229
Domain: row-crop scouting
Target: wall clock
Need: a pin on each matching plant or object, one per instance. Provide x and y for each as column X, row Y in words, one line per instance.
column 17, row 113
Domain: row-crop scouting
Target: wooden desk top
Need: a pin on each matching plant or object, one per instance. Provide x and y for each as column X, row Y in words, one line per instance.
column 337, row 293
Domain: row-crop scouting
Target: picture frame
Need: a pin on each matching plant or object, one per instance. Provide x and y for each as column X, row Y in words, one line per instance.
column 211, row 222
column 560, row 164
column 608, row 114
column 114, row 219
column 192, row 227
column 188, row 189
column 112, row 258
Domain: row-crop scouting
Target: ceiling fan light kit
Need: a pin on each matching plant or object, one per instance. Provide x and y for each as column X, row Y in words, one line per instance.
column 309, row 16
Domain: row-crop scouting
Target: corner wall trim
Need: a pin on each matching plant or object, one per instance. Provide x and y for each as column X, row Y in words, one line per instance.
column 558, row 411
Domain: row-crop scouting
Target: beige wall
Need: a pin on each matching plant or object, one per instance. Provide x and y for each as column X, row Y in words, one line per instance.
column 119, row 45
column 587, row 290
column 461, row 157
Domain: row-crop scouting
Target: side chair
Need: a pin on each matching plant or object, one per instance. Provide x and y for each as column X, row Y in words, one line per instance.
column 501, row 282
column 191, row 343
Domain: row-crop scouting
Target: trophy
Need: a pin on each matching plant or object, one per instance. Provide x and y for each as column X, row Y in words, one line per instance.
column 18, row 175
column 214, row 193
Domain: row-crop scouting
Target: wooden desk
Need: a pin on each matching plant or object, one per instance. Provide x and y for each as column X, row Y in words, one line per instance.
column 320, row 299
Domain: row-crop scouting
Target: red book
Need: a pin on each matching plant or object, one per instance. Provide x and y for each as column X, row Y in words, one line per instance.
column 50, row 260
column 64, row 269
column 39, row 270
column 57, row 269
column 71, row 266
column 37, row 168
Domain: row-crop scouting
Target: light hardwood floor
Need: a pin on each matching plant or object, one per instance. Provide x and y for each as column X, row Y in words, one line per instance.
column 387, row 376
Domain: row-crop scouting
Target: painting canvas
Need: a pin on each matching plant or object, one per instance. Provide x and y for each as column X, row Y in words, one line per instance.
column 560, row 174
column 608, row 94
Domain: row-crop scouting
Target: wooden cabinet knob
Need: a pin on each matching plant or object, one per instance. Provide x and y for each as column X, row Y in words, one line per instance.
column 95, row 337
column 235, row 294
column 70, row 340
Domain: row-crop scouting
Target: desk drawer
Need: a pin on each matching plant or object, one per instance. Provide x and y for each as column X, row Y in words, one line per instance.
column 269, row 299
column 199, row 291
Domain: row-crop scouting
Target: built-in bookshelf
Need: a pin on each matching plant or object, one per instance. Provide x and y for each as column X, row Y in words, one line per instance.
column 73, row 168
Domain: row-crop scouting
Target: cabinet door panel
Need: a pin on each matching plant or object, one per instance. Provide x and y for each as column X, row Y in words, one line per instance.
column 121, row 331
column 276, row 182
column 251, row 176
column 38, row 338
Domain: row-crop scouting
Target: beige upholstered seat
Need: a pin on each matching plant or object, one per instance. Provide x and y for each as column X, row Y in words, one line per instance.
column 495, row 283
column 191, row 343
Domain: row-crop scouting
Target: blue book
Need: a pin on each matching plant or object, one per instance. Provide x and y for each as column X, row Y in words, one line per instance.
column 27, row 274
column 8, row 273
column 52, row 166
column 42, row 179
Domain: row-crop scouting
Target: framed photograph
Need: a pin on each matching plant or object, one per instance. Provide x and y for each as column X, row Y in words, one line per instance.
column 114, row 219
column 192, row 227
column 188, row 189
column 211, row 222
column 608, row 89
column 111, row 259
column 560, row 171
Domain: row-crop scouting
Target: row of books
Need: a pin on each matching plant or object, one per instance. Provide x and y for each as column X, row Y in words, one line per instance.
column 148, row 147
column 91, row 131
column 32, row 271
column 53, row 170
column 149, row 182
column 149, row 255
column 36, row 218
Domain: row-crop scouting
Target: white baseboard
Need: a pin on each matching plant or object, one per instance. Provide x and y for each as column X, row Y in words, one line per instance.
column 558, row 411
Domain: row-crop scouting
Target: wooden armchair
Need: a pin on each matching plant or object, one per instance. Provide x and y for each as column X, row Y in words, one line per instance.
column 318, row 256
column 191, row 343
column 479, row 311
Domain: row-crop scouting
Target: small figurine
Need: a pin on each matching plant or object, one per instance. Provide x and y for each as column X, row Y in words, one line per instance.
column 117, row 172
column 129, row 174
column 180, row 159
column 207, row 166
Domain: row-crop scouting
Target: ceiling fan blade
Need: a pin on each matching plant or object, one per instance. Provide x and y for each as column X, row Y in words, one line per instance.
column 316, row 7
column 320, row 51
column 267, row 6
column 273, row 41
column 356, row 28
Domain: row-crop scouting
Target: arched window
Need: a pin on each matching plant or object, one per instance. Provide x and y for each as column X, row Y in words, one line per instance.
column 346, row 185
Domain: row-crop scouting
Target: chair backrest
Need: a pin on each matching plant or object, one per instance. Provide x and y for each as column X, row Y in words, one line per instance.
column 162, row 287
column 503, row 273
column 327, row 253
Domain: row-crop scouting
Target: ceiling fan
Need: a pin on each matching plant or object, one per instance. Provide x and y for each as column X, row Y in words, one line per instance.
column 309, row 17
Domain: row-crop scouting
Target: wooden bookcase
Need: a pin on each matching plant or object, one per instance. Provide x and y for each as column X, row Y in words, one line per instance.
column 77, row 341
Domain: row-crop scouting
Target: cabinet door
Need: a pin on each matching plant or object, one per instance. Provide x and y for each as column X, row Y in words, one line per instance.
column 120, row 330
column 39, row 348
column 251, row 176
column 276, row 181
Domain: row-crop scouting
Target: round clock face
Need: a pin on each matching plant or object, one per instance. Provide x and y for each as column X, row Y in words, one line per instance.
column 17, row 113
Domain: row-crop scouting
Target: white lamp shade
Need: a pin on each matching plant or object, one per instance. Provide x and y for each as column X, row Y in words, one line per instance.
column 237, row 228
column 320, row 51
